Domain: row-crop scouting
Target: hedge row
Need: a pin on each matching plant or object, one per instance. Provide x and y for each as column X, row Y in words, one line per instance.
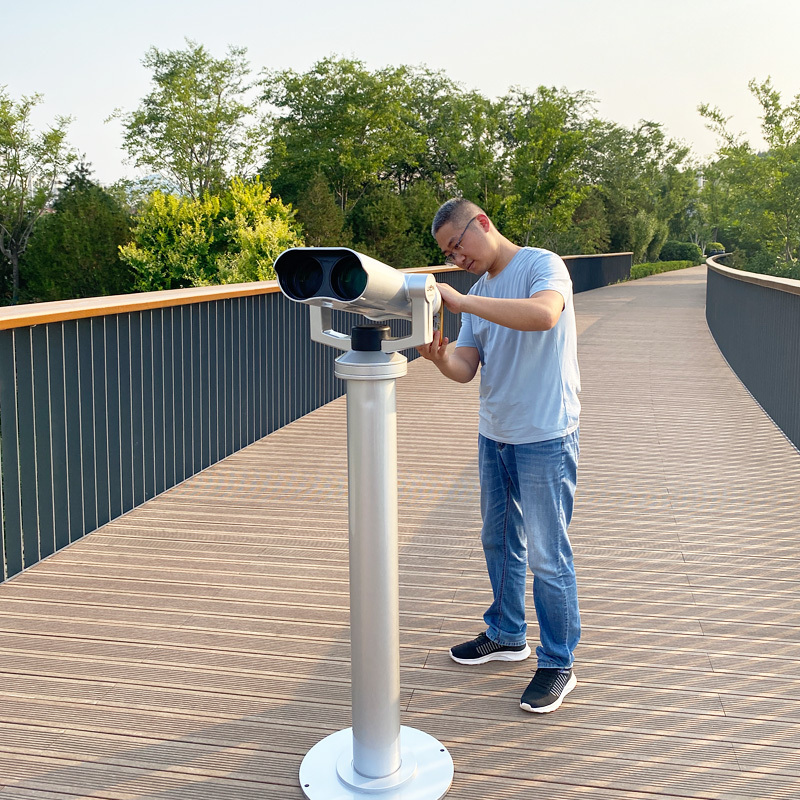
column 654, row 267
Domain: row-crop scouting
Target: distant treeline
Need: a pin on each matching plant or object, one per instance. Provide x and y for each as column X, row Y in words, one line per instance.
column 242, row 166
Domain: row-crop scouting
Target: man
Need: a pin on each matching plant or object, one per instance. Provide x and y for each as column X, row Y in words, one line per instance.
column 518, row 324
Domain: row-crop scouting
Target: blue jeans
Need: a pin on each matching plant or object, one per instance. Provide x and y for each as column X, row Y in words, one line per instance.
column 527, row 494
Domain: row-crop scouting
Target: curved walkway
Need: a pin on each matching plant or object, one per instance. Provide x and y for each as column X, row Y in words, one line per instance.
column 196, row 648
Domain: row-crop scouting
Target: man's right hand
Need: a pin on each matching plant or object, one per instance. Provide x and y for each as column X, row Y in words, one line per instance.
column 460, row 365
column 436, row 351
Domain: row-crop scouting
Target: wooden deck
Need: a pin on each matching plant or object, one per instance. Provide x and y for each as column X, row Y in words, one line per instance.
column 196, row 648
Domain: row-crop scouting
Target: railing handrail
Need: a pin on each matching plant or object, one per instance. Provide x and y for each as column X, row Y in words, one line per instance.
column 455, row 268
column 597, row 255
column 769, row 281
column 82, row 308
column 61, row 310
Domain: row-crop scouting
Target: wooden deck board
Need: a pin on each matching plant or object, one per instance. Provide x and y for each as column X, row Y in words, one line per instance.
column 197, row 647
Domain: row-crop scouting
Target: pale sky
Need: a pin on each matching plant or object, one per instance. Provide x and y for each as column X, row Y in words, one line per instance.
column 642, row 59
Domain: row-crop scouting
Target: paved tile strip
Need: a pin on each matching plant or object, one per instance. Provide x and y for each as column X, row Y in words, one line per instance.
column 198, row 647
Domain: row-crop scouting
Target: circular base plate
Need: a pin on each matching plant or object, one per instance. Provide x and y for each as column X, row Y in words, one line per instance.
column 327, row 773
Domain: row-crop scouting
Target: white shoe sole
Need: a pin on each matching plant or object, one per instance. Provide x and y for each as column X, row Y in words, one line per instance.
column 501, row 655
column 553, row 706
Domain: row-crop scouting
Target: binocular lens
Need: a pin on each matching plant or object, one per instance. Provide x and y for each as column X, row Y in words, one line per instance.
column 348, row 278
column 300, row 276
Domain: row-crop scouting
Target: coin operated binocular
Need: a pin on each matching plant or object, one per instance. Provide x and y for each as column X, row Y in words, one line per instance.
column 377, row 756
column 328, row 278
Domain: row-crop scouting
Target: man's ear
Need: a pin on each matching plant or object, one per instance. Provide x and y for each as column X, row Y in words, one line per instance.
column 484, row 222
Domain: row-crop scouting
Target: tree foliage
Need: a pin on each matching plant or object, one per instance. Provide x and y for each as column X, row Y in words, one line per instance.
column 338, row 119
column 196, row 126
column 30, row 165
column 543, row 142
column 321, row 216
column 231, row 237
column 753, row 198
column 645, row 180
column 394, row 227
column 74, row 249
column 538, row 161
column 681, row 251
column 363, row 158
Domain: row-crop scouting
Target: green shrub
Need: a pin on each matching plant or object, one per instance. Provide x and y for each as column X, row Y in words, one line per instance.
column 681, row 251
column 770, row 264
column 715, row 248
column 655, row 267
column 233, row 237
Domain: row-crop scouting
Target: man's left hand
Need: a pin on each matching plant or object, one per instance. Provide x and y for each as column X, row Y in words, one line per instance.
column 452, row 299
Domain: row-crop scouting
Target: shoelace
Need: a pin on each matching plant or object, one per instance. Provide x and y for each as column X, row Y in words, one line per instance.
column 551, row 684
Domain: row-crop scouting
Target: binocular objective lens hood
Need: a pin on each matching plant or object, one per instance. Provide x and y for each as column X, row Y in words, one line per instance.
column 300, row 275
column 348, row 278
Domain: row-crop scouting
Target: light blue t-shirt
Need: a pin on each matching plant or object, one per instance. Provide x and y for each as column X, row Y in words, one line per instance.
column 529, row 379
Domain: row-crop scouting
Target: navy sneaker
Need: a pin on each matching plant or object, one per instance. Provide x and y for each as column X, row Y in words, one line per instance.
column 547, row 690
column 483, row 649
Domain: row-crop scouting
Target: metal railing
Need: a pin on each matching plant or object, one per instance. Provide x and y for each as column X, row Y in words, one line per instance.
column 593, row 272
column 755, row 320
column 107, row 402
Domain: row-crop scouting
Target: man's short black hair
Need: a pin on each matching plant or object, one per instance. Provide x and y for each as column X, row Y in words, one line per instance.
column 455, row 210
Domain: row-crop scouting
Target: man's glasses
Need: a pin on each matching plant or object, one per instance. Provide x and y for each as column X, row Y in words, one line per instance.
column 450, row 258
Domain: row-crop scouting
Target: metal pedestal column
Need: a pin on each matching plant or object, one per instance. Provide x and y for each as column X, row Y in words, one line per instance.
column 377, row 755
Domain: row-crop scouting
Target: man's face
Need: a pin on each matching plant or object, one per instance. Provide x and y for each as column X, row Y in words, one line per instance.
column 464, row 245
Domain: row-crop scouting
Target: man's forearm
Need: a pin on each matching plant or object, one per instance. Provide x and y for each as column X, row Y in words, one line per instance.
column 521, row 314
column 456, row 368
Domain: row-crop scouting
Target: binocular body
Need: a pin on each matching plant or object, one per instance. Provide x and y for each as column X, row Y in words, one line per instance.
column 328, row 278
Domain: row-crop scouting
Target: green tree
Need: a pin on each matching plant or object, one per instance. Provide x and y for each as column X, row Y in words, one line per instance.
column 645, row 180
column 380, row 226
column 758, row 193
column 322, row 218
column 386, row 145
column 701, row 222
column 229, row 238
column 421, row 201
column 257, row 228
column 339, row 119
column 481, row 168
column 196, row 127
column 30, row 165
column 544, row 141
column 390, row 141
column 395, row 227
column 74, row 250
column 435, row 121
column 589, row 232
